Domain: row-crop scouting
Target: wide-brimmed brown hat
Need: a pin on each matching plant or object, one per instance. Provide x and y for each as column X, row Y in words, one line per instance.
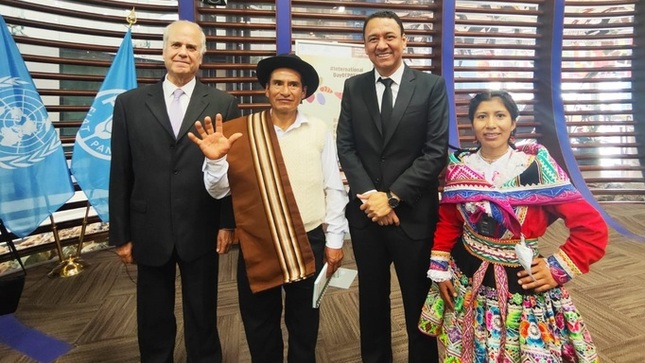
column 308, row 74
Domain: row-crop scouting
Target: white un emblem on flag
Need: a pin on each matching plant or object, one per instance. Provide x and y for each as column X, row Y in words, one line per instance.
column 96, row 131
column 26, row 135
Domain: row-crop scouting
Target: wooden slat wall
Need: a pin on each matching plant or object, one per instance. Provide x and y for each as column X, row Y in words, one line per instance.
column 497, row 44
column 244, row 33
column 70, row 45
column 496, row 48
column 597, row 85
column 68, row 63
column 239, row 35
column 342, row 21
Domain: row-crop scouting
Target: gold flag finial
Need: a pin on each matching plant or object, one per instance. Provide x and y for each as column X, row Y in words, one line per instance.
column 131, row 18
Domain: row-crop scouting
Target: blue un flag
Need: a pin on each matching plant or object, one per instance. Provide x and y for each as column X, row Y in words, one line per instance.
column 34, row 178
column 92, row 155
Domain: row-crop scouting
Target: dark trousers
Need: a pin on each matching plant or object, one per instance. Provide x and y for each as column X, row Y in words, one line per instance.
column 375, row 249
column 261, row 314
column 157, row 326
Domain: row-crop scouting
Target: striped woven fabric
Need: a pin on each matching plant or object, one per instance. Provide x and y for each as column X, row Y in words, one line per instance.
column 272, row 236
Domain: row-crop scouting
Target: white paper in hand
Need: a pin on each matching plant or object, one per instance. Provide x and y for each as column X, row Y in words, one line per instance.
column 343, row 278
column 525, row 256
column 320, row 286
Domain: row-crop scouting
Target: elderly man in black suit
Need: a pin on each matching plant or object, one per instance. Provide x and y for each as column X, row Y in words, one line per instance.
column 160, row 215
column 392, row 142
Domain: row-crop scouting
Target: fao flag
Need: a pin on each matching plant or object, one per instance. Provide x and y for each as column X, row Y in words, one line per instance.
column 92, row 156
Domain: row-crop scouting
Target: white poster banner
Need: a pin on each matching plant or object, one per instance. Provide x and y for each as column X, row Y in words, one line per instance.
column 334, row 62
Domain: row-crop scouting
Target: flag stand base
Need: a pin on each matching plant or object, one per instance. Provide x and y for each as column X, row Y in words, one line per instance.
column 71, row 266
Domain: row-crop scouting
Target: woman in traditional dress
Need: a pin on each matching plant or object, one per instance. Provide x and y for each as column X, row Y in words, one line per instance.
column 498, row 199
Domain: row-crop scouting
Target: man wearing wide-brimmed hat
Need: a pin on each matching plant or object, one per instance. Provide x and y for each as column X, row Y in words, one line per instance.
column 280, row 166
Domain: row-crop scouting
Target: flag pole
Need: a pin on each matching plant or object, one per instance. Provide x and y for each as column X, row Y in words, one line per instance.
column 66, row 267
column 81, row 237
column 74, row 265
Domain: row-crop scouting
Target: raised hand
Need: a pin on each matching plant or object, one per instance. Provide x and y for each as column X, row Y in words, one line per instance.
column 211, row 140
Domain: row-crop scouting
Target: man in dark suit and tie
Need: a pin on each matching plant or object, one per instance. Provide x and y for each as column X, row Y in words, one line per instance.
column 161, row 216
column 392, row 142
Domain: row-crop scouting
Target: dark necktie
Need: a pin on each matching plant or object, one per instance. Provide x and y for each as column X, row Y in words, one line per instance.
column 386, row 102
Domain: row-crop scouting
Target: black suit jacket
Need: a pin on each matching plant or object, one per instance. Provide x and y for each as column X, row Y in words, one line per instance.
column 407, row 159
column 157, row 196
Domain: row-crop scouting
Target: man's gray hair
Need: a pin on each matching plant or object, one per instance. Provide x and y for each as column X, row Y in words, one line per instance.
column 203, row 37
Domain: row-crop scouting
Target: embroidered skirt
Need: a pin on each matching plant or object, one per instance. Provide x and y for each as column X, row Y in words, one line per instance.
column 540, row 327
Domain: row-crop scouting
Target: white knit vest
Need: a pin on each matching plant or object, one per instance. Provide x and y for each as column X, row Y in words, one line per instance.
column 302, row 153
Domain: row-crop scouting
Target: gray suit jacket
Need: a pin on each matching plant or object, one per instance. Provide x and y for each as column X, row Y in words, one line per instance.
column 157, row 195
column 407, row 159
